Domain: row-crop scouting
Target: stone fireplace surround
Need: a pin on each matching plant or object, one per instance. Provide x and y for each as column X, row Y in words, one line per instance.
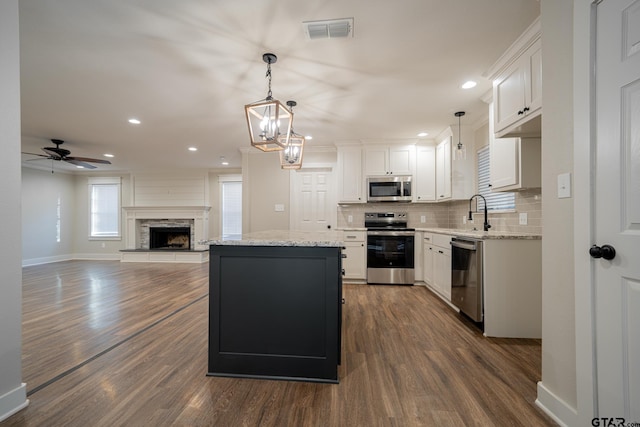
column 139, row 219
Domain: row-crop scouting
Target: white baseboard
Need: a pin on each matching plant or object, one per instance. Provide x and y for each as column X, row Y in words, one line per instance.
column 46, row 260
column 98, row 257
column 556, row 408
column 13, row 401
column 69, row 257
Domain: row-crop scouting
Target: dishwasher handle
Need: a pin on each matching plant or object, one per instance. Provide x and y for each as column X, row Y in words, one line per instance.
column 469, row 245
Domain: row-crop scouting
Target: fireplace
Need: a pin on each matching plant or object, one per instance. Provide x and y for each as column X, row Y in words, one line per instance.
column 170, row 238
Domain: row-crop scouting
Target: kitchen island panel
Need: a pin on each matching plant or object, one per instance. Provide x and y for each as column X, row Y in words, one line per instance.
column 275, row 312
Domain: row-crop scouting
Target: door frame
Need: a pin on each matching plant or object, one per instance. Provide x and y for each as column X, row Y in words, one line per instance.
column 584, row 145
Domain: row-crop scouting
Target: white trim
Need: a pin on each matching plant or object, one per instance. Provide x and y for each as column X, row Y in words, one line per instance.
column 555, row 407
column 97, row 257
column 13, row 401
column 236, row 177
column 46, row 260
column 526, row 39
column 104, row 180
column 583, row 146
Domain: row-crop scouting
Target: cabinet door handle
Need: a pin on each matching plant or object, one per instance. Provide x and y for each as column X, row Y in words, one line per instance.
column 350, row 237
column 441, row 252
column 344, row 255
column 526, row 109
column 520, row 112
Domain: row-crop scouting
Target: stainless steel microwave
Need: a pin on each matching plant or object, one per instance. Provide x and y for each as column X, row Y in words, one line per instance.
column 389, row 188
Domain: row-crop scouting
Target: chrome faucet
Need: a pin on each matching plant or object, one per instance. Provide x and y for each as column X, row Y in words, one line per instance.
column 487, row 226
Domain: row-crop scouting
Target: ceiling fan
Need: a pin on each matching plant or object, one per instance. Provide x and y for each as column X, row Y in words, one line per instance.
column 61, row 154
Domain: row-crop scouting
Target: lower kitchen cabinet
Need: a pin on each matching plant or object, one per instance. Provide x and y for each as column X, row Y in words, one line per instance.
column 355, row 262
column 427, row 259
column 441, row 282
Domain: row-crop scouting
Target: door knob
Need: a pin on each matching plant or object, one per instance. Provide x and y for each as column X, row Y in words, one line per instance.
column 605, row 251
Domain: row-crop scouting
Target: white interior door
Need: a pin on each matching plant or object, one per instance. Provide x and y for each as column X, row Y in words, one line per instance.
column 617, row 209
column 312, row 200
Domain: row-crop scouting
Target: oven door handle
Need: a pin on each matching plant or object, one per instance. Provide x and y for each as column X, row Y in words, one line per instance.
column 390, row 233
column 464, row 244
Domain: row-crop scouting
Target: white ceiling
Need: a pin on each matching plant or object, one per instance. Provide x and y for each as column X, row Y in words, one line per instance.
column 187, row 68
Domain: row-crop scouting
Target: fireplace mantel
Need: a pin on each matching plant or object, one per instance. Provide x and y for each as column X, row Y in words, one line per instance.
column 199, row 215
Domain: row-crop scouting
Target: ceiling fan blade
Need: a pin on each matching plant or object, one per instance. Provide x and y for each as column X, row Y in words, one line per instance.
column 88, row 159
column 76, row 162
column 35, row 154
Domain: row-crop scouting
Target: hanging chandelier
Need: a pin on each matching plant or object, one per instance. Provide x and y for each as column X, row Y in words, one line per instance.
column 291, row 154
column 460, row 152
column 269, row 120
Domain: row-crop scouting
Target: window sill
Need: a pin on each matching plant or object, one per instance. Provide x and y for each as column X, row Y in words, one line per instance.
column 105, row 238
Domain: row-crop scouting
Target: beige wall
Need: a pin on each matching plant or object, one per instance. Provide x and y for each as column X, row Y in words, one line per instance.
column 558, row 326
column 265, row 184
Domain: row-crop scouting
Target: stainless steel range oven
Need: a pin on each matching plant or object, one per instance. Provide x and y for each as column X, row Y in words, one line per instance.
column 390, row 249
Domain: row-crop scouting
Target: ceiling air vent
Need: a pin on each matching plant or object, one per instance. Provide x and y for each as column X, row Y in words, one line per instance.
column 328, row 29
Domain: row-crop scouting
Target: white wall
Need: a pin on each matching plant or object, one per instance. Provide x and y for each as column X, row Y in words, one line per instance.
column 557, row 389
column 12, row 390
column 41, row 193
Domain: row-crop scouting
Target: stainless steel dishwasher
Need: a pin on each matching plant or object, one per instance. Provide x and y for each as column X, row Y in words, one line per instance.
column 466, row 276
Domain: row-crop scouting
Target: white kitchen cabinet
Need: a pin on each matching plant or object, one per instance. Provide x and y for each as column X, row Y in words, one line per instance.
column 355, row 262
column 389, row 160
column 417, row 256
column 515, row 163
column 443, row 169
column 350, row 178
column 441, row 282
column 427, row 258
column 424, row 183
column 517, row 88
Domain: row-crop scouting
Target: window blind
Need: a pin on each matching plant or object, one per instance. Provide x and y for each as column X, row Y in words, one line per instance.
column 105, row 210
column 497, row 201
column 231, row 210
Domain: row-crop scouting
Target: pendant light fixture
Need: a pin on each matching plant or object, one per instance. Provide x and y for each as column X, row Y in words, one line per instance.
column 269, row 120
column 460, row 152
column 291, row 154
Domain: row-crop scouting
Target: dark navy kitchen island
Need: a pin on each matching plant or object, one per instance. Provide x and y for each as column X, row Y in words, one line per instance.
column 275, row 307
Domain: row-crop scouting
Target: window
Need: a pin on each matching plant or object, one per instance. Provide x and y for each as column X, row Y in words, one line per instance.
column 104, row 208
column 498, row 201
column 231, row 207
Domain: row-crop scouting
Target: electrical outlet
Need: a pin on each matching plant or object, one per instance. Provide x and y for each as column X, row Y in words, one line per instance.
column 523, row 218
column 104, row 245
column 350, row 219
column 423, row 218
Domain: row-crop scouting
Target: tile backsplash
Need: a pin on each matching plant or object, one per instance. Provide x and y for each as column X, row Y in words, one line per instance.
column 450, row 214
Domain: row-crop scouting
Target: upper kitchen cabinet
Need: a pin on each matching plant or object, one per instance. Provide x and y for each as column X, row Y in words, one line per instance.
column 389, row 160
column 515, row 163
column 424, row 183
column 517, row 87
column 455, row 179
column 350, row 188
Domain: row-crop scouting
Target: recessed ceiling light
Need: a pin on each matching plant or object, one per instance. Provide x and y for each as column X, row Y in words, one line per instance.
column 223, row 162
column 193, row 149
column 134, row 121
column 108, row 155
column 469, row 84
column 421, row 134
column 308, row 137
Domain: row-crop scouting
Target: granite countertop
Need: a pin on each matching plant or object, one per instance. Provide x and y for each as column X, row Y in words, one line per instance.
column 329, row 238
column 482, row 235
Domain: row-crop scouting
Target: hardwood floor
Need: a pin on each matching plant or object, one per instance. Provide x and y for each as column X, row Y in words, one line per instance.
column 108, row 343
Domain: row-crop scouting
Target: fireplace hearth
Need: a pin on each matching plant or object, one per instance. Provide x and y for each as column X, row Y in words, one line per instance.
column 169, row 238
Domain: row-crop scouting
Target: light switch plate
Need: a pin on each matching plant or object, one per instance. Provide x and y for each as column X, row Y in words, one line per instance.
column 464, row 219
column 523, row 218
column 423, row 218
column 564, row 185
column 279, row 207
